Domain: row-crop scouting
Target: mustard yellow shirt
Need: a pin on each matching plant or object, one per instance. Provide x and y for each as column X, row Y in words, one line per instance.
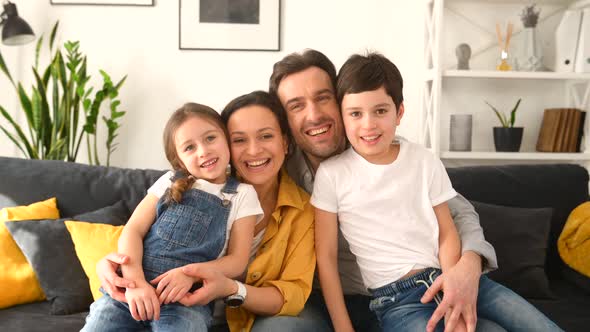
column 286, row 256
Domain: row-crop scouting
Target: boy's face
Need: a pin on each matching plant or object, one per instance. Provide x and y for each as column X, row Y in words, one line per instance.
column 370, row 120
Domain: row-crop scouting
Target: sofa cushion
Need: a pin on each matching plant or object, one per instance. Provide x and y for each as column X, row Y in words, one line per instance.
column 50, row 250
column 93, row 242
column 560, row 186
column 6, row 201
column 18, row 283
column 79, row 188
column 520, row 238
column 35, row 317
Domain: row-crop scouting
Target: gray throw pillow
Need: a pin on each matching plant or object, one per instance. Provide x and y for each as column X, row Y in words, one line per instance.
column 519, row 236
column 6, row 201
column 48, row 247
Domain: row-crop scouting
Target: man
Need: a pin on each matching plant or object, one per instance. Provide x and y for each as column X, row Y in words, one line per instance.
column 304, row 83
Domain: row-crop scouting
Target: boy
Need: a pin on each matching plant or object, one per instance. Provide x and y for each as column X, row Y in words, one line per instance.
column 388, row 196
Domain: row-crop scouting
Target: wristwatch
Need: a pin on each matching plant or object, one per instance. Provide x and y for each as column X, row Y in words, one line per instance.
column 236, row 300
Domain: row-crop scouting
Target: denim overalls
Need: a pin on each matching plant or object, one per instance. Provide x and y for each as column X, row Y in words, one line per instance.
column 191, row 231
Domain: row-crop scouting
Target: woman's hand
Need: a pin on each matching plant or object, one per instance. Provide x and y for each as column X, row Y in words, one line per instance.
column 143, row 302
column 215, row 285
column 172, row 285
column 110, row 281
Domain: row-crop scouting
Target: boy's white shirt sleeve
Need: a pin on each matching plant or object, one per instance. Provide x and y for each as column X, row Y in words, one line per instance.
column 248, row 204
column 324, row 191
column 161, row 185
column 440, row 189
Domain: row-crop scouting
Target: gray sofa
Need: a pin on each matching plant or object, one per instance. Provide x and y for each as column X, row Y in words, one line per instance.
column 521, row 190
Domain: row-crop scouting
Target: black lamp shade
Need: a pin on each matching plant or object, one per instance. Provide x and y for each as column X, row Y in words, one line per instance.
column 15, row 30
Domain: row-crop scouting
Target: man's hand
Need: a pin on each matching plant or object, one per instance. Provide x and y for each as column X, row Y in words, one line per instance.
column 172, row 285
column 215, row 285
column 143, row 302
column 106, row 269
column 460, row 285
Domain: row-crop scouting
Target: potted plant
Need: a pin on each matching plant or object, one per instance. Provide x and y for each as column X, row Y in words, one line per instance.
column 62, row 108
column 507, row 138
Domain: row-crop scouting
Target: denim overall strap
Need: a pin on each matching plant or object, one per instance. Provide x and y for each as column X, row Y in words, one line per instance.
column 231, row 186
column 191, row 231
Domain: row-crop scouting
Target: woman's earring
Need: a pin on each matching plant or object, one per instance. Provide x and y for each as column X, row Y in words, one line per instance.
column 228, row 170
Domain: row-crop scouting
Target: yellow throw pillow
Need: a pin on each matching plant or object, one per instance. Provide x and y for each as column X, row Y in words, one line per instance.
column 574, row 241
column 92, row 242
column 18, row 283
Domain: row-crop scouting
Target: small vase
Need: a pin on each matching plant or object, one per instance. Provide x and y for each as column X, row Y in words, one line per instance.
column 460, row 132
column 530, row 55
column 504, row 62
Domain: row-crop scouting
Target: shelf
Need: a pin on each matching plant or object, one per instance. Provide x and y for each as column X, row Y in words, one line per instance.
column 525, row 2
column 515, row 155
column 544, row 75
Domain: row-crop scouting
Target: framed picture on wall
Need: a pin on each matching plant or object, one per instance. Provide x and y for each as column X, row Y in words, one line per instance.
column 245, row 25
column 104, row 2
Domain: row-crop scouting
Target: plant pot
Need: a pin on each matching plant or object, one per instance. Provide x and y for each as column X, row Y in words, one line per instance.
column 508, row 139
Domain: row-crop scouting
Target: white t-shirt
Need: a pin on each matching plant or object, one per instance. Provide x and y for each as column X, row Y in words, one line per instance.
column 385, row 212
column 245, row 203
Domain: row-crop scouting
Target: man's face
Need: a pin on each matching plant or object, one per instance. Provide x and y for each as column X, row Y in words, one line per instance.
column 313, row 113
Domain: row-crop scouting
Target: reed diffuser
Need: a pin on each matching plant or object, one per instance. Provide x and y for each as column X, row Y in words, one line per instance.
column 504, row 44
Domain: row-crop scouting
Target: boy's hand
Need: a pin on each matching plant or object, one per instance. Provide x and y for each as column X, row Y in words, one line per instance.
column 172, row 285
column 143, row 301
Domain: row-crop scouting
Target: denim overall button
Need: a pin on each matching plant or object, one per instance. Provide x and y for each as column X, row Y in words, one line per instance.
column 256, row 275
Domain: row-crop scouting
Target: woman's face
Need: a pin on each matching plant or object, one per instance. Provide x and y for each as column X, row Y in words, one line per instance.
column 257, row 146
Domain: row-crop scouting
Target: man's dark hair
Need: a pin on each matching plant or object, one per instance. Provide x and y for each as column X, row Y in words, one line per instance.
column 296, row 62
column 369, row 72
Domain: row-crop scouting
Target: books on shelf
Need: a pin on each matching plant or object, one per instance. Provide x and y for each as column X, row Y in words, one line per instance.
column 561, row 130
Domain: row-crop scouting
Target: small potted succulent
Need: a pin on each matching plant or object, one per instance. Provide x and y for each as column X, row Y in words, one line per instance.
column 507, row 138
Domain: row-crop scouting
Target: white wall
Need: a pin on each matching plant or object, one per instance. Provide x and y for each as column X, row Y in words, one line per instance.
column 142, row 42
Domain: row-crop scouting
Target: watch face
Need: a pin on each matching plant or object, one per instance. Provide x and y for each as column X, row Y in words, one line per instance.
column 234, row 301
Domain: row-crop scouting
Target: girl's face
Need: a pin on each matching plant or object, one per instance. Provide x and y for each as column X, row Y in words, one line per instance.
column 202, row 148
column 258, row 147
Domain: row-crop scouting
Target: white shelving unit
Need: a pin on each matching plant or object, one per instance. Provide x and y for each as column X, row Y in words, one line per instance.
column 447, row 90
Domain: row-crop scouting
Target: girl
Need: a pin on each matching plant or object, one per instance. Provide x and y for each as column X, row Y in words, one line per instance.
column 192, row 218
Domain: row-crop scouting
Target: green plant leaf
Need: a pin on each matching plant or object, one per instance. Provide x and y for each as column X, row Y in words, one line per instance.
column 513, row 113
column 61, row 68
column 46, row 124
column 19, row 132
column 25, row 103
column 56, row 152
column 500, row 116
column 38, row 51
column 5, row 69
column 120, row 83
column 15, row 141
column 52, row 36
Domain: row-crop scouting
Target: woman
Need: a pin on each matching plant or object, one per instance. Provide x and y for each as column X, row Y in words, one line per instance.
column 278, row 280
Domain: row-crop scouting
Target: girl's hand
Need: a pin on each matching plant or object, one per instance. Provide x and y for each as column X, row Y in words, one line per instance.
column 172, row 285
column 143, row 302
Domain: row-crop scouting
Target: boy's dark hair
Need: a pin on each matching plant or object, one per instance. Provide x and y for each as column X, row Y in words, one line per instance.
column 369, row 72
column 264, row 99
column 296, row 62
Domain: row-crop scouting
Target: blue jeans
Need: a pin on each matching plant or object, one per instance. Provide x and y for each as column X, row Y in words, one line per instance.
column 107, row 314
column 398, row 306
